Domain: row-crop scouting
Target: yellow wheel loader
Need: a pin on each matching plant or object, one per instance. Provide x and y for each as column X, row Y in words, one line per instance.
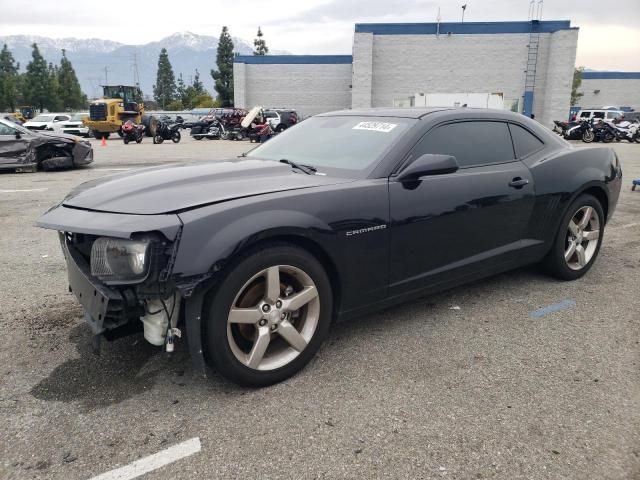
column 118, row 104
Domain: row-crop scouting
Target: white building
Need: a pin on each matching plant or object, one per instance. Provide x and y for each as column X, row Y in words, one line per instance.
column 529, row 64
column 619, row 89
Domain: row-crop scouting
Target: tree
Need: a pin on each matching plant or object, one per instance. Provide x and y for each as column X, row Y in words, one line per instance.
column 223, row 77
column 204, row 100
column 577, row 82
column 37, row 83
column 164, row 91
column 71, row 96
column 9, row 79
column 260, row 44
column 198, row 86
column 54, row 102
column 189, row 94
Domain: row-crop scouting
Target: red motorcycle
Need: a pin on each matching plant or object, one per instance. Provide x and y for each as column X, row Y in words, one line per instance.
column 131, row 131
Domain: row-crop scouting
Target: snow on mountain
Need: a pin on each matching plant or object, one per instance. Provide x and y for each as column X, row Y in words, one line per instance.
column 187, row 52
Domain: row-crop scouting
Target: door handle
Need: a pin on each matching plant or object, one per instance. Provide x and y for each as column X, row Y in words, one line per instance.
column 518, row 182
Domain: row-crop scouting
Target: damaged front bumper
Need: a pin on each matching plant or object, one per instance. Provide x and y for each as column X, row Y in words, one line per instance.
column 112, row 310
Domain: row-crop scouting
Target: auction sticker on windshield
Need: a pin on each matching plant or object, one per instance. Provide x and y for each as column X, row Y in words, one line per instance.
column 376, row 126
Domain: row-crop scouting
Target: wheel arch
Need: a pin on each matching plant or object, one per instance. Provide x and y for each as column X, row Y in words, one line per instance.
column 195, row 304
column 600, row 193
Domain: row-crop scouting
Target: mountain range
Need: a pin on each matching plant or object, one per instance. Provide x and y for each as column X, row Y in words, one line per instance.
column 90, row 57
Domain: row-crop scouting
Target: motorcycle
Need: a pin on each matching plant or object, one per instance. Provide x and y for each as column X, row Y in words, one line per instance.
column 131, row 131
column 167, row 131
column 599, row 132
column 576, row 130
column 626, row 130
column 211, row 130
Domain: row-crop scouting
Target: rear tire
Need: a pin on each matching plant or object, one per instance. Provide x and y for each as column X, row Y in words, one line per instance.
column 577, row 242
column 296, row 310
column 176, row 137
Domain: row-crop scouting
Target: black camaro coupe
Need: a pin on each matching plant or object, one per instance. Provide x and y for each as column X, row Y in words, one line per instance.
column 340, row 215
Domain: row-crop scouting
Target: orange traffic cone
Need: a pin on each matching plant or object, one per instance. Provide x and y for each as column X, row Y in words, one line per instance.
column 103, row 143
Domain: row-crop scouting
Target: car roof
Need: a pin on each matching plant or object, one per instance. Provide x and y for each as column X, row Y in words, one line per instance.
column 419, row 113
column 384, row 112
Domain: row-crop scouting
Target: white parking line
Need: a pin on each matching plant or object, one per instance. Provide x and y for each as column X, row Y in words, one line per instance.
column 112, row 169
column 153, row 462
column 25, row 190
column 628, row 225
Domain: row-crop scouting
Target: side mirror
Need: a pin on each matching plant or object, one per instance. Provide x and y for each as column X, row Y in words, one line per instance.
column 428, row 164
column 18, row 135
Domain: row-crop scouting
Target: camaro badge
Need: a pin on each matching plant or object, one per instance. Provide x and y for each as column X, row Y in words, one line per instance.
column 366, row 230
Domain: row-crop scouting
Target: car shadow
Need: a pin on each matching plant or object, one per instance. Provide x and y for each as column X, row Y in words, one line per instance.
column 130, row 366
column 125, row 368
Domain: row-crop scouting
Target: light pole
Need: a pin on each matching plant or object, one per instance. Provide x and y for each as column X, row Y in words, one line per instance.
column 464, row 7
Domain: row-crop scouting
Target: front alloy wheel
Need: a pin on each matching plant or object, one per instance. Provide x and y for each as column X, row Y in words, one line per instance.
column 269, row 315
column 273, row 318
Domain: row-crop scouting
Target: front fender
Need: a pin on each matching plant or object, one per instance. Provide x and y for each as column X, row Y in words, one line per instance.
column 212, row 235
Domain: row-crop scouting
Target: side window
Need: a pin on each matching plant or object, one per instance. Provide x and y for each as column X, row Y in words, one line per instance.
column 523, row 141
column 585, row 114
column 472, row 143
column 6, row 130
column 598, row 114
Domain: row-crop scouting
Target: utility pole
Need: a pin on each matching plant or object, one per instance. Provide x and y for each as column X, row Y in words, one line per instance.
column 136, row 73
column 438, row 25
column 464, row 7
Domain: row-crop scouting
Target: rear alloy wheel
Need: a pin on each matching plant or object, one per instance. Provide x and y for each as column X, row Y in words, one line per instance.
column 269, row 316
column 175, row 137
column 578, row 242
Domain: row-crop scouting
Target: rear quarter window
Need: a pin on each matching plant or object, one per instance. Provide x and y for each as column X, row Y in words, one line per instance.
column 524, row 142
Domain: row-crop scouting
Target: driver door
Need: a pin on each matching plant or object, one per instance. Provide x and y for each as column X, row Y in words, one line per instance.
column 450, row 226
column 12, row 148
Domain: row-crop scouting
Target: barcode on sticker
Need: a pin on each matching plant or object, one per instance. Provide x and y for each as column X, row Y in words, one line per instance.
column 376, row 126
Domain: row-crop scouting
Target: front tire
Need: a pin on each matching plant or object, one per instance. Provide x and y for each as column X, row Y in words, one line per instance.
column 269, row 316
column 588, row 136
column 158, row 139
column 577, row 243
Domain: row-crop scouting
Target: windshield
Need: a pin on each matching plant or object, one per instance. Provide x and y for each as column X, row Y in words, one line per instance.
column 78, row 117
column 350, row 143
column 43, row 118
column 17, row 127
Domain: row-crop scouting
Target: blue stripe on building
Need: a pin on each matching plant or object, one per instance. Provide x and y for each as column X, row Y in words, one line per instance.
column 611, row 75
column 463, row 28
column 293, row 59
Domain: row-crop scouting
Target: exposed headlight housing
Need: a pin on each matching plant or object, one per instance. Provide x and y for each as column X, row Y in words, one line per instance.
column 118, row 261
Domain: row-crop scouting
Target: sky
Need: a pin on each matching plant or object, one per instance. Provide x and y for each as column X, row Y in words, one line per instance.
column 609, row 31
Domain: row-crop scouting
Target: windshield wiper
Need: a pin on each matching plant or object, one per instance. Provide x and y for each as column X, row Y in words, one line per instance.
column 308, row 169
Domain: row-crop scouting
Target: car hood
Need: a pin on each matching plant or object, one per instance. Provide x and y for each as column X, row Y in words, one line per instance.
column 53, row 136
column 36, row 124
column 175, row 188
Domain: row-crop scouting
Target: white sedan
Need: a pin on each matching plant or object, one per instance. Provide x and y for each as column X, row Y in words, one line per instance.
column 47, row 121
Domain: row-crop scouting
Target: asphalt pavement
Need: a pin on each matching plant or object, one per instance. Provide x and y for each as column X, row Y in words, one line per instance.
column 519, row 376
